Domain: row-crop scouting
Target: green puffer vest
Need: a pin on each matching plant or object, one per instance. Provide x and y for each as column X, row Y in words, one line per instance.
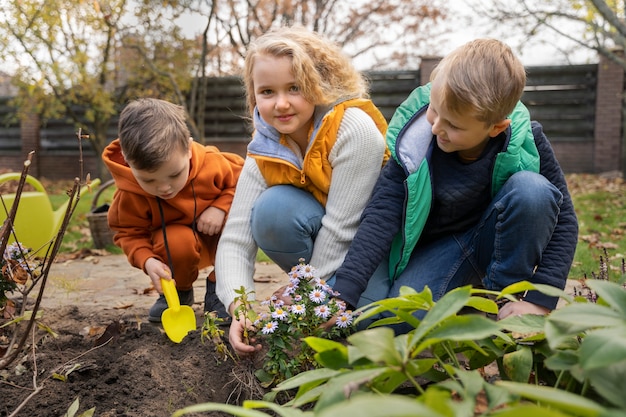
column 409, row 138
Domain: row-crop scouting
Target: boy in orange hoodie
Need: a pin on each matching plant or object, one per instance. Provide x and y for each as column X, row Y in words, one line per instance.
column 172, row 198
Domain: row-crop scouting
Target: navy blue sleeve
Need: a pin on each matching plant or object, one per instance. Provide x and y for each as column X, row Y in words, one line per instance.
column 558, row 255
column 380, row 222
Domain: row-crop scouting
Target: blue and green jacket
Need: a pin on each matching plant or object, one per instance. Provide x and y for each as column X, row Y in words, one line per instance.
column 400, row 205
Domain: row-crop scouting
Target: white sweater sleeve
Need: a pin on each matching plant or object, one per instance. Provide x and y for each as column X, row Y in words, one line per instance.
column 356, row 158
column 236, row 251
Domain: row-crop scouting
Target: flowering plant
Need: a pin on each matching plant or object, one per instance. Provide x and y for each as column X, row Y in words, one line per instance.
column 14, row 269
column 312, row 311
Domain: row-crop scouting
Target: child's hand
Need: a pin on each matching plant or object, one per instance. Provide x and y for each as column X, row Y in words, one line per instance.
column 210, row 221
column 235, row 334
column 517, row 308
column 157, row 270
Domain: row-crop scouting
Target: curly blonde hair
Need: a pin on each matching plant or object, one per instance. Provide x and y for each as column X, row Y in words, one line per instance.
column 322, row 71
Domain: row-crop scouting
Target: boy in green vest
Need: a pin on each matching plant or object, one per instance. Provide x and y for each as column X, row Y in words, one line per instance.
column 472, row 195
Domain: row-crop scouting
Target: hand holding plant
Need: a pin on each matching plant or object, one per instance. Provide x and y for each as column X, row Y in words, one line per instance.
column 284, row 326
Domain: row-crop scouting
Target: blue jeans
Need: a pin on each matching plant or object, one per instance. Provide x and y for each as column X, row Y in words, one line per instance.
column 285, row 221
column 502, row 249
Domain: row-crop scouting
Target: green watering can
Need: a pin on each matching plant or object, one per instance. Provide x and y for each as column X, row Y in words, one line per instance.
column 36, row 223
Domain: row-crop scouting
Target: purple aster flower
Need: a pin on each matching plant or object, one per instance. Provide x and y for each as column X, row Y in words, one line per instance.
column 269, row 327
column 322, row 311
column 317, row 295
column 298, row 309
column 344, row 320
column 279, row 313
column 308, row 271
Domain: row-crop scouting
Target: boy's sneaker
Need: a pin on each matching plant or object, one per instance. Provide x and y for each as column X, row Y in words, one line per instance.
column 212, row 303
column 156, row 311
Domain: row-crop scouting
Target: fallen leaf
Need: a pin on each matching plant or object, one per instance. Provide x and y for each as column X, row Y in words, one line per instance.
column 112, row 332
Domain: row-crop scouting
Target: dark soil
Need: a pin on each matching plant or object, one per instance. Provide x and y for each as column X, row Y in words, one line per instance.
column 138, row 372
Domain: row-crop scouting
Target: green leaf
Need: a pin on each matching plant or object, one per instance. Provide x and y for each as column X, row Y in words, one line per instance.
column 346, row 385
column 278, row 409
column 316, row 375
column 559, row 399
column 88, row 413
column 319, row 344
column 613, row 294
column 528, row 410
column 447, row 306
column 575, row 318
column 518, row 287
column 71, row 412
column 562, row 360
column 467, row 327
column 332, row 359
column 526, row 323
column 603, row 347
column 378, row 345
column 519, row 364
column 331, row 354
column 226, row 408
column 610, row 383
column 379, row 406
column 483, row 304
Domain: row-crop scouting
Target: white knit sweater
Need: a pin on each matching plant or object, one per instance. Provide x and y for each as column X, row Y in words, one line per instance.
column 356, row 160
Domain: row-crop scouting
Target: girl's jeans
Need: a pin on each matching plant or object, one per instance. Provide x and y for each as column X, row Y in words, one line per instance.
column 285, row 221
column 502, row 249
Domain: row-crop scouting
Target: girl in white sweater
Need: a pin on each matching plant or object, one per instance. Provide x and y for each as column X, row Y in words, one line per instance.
column 316, row 152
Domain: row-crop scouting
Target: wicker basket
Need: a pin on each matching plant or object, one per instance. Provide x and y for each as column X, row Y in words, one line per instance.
column 98, row 224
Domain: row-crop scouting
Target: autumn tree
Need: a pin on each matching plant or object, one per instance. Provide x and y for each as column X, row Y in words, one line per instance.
column 595, row 25
column 82, row 60
column 381, row 34
column 95, row 55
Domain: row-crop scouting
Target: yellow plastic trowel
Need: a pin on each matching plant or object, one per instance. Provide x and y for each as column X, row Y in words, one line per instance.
column 177, row 320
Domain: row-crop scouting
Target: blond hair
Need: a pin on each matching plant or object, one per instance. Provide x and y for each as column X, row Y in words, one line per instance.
column 483, row 77
column 150, row 130
column 322, row 71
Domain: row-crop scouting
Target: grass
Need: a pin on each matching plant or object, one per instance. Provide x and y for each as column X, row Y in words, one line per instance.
column 600, row 205
column 602, row 227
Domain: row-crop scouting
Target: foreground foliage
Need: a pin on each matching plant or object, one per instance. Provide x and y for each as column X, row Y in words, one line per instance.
column 569, row 363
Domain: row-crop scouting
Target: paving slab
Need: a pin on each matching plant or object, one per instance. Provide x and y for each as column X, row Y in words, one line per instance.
column 111, row 282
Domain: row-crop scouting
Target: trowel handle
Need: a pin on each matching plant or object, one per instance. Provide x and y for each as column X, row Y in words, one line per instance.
column 171, row 295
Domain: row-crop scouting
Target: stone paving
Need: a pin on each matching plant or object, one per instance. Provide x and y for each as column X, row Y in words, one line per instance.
column 111, row 282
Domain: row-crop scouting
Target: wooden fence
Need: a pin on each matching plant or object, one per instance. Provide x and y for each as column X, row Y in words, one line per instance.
column 567, row 100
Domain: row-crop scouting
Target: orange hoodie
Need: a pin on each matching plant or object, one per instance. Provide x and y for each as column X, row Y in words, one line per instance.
column 134, row 214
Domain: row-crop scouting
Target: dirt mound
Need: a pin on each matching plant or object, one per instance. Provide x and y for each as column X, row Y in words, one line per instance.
column 121, row 365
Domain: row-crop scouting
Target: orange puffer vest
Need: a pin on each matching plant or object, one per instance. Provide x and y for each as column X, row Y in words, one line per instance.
column 279, row 166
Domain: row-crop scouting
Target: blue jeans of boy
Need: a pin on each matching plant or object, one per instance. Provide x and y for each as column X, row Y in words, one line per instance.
column 502, row 249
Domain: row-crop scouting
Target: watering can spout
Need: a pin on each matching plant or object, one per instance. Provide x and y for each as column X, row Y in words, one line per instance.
column 36, row 223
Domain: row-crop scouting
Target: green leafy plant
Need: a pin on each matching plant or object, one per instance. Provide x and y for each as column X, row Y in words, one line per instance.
column 571, row 362
column 284, row 326
column 212, row 331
